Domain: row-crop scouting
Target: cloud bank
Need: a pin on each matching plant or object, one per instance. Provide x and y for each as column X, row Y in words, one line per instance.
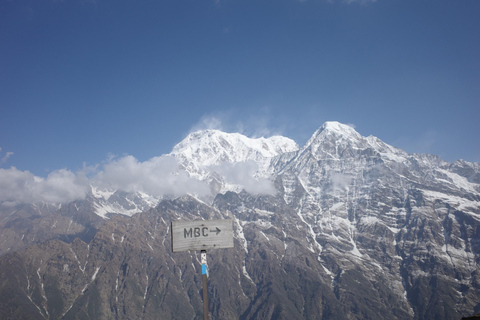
column 243, row 174
column 24, row 187
column 157, row 176
column 255, row 126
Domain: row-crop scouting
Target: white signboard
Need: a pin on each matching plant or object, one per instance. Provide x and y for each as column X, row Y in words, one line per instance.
column 202, row 235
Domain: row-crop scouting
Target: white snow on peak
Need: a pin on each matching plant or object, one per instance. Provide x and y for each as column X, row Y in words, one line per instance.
column 387, row 151
column 336, row 140
column 338, row 129
column 101, row 193
column 335, row 126
column 333, row 129
column 331, row 138
column 214, row 147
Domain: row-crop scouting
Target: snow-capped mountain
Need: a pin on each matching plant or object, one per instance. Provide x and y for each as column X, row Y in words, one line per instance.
column 203, row 150
column 223, row 161
column 212, row 147
column 356, row 229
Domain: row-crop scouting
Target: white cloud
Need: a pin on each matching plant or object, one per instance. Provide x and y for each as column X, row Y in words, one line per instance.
column 253, row 126
column 164, row 175
column 157, row 176
column 5, row 157
column 209, row 122
column 259, row 124
column 340, row 181
column 243, row 174
column 23, row 187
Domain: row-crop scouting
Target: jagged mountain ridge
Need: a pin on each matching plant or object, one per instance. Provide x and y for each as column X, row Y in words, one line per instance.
column 208, row 156
column 207, row 148
column 357, row 230
column 202, row 154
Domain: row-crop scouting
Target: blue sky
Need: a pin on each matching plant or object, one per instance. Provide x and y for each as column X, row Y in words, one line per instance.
column 81, row 80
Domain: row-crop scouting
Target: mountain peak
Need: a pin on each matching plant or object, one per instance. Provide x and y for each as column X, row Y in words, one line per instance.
column 332, row 134
column 213, row 147
column 335, row 140
column 338, row 128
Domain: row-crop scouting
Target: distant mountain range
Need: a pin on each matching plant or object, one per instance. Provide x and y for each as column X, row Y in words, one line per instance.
column 344, row 227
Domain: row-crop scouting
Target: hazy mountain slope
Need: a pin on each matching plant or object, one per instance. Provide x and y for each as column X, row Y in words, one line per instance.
column 25, row 224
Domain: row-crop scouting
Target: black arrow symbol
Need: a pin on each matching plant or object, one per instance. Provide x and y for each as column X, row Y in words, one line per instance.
column 216, row 231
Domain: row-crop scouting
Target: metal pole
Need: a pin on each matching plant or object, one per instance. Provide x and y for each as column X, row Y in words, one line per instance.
column 204, row 280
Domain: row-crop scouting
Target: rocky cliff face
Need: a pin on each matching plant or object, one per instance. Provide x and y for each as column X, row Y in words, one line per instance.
column 356, row 229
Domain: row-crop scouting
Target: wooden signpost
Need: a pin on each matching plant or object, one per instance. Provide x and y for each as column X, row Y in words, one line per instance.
column 202, row 235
